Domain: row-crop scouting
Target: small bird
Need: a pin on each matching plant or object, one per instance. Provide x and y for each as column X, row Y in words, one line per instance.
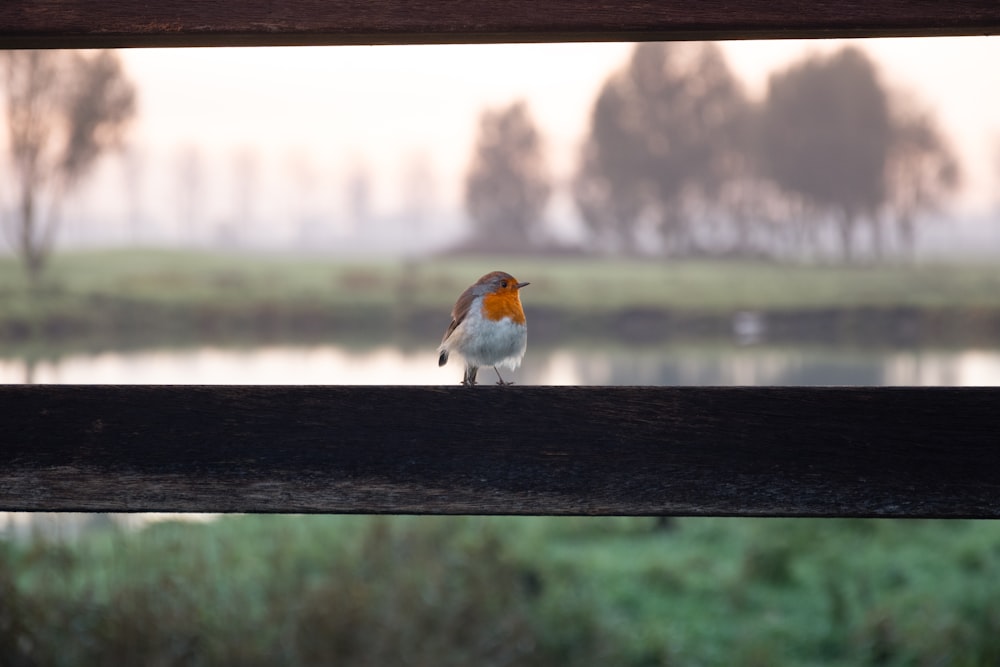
column 487, row 327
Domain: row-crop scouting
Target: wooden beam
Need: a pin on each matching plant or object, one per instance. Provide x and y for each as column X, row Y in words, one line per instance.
column 874, row 452
column 126, row 23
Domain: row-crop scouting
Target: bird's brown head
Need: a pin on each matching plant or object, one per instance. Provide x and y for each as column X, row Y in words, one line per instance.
column 498, row 282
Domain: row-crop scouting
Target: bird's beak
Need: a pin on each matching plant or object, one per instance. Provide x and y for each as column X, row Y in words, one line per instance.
column 520, row 285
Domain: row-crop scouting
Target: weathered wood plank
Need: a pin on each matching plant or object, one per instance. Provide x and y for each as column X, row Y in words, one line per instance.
column 519, row 450
column 118, row 23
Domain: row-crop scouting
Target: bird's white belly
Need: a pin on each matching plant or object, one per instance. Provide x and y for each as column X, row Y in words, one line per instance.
column 485, row 342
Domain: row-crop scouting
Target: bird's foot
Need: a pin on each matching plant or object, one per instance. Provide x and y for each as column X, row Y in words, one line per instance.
column 500, row 380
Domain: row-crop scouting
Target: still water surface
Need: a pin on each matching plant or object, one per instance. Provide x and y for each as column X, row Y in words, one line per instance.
column 682, row 364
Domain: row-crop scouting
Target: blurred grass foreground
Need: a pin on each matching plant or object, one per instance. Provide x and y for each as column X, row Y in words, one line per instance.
column 437, row 591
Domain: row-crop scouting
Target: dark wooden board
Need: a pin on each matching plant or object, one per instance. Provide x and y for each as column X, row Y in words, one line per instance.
column 882, row 452
column 119, row 23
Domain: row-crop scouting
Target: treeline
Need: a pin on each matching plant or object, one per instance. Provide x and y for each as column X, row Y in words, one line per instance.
column 679, row 161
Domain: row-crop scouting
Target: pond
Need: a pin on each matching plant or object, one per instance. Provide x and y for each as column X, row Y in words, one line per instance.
column 591, row 364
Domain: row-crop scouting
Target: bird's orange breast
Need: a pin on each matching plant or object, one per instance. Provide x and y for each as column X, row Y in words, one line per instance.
column 499, row 305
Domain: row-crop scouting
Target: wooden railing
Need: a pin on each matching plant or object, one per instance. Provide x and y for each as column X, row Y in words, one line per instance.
column 519, row 450
column 115, row 23
column 503, row 450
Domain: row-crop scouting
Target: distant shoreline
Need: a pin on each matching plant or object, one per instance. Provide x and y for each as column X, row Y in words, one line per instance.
column 133, row 325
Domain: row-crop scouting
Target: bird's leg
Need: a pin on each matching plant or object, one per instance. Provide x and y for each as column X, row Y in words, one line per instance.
column 500, row 379
column 469, row 380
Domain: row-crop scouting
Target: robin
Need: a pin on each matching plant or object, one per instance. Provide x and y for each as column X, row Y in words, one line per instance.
column 487, row 327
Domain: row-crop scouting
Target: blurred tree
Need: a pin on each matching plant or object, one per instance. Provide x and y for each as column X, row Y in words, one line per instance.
column 305, row 178
column 63, row 109
column 668, row 134
column 190, row 192
column 418, row 200
column 359, row 193
column 135, row 160
column 242, row 225
column 419, row 191
column 922, row 171
column 826, row 135
column 508, row 186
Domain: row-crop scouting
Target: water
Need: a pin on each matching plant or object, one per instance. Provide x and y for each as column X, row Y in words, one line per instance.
column 678, row 364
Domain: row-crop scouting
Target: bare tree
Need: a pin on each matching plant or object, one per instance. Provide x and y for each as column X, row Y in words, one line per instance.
column 508, row 186
column 63, row 109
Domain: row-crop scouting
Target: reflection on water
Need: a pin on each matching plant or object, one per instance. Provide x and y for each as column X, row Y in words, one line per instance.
column 682, row 364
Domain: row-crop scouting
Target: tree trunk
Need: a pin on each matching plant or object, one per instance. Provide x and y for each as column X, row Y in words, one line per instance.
column 907, row 235
column 33, row 247
column 878, row 248
column 847, row 237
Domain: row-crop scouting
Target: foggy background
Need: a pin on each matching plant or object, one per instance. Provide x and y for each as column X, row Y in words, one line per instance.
column 361, row 150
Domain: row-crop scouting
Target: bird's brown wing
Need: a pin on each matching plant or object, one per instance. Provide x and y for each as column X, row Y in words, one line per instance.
column 459, row 312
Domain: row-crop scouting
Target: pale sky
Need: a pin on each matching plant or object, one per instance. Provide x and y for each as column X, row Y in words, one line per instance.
column 331, row 107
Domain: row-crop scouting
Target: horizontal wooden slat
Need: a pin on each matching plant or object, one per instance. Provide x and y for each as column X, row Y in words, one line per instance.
column 117, row 23
column 883, row 452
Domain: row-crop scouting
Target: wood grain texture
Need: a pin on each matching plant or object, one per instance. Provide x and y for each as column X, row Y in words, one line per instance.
column 491, row 450
column 120, row 23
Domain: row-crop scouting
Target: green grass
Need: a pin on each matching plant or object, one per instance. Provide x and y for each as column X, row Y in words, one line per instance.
column 139, row 297
column 489, row 591
column 193, row 278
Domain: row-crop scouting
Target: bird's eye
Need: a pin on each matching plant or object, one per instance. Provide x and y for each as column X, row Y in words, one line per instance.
column 503, row 283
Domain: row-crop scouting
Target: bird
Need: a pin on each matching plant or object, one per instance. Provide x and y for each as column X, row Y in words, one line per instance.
column 487, row 327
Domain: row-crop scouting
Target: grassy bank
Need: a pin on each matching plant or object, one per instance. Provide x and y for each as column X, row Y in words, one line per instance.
column 494, row 591
column 200, row 279
column 173, row 295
